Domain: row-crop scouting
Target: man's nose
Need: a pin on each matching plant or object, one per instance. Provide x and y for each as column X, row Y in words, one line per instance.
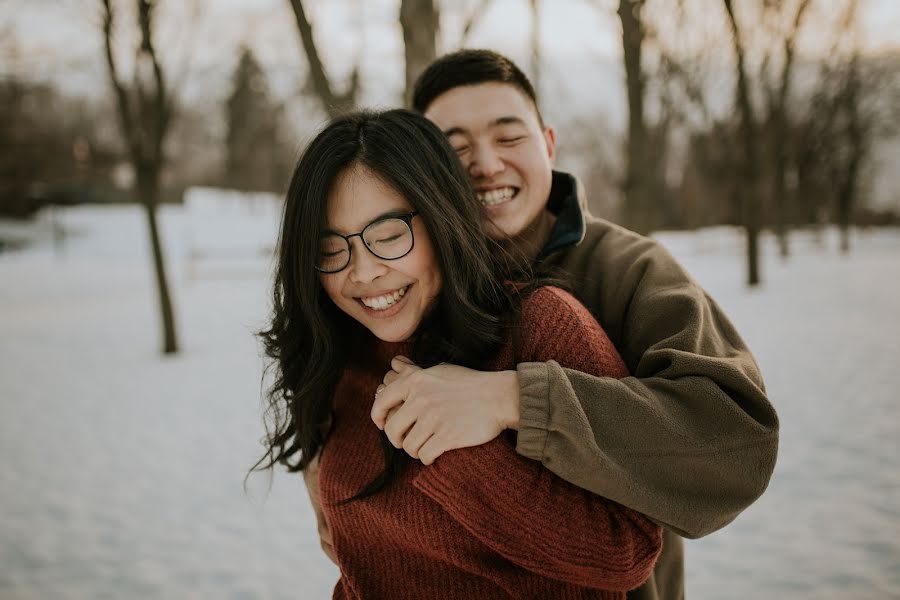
column 486, row 163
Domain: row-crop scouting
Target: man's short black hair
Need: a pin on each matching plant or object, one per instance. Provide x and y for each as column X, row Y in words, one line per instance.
column 469, row 67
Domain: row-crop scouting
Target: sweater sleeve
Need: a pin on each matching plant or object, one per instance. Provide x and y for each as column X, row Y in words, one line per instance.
column 691, row 438
column 526, row 513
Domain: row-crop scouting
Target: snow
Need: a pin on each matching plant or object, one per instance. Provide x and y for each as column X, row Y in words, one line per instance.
column 122, row 471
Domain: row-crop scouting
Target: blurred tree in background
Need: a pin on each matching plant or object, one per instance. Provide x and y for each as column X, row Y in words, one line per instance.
column 54, row 151
column 145, row 111
column 256, row 157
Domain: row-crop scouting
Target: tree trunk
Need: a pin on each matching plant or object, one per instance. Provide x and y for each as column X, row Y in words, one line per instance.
column 782, row 141
column 847, row 193
column 420, row 20
column 145, row 112
column 750, row 166
column 635, row 185
column 535, row 6
column 148, row 192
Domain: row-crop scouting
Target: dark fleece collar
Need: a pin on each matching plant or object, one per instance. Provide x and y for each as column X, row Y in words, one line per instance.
column 564, row 203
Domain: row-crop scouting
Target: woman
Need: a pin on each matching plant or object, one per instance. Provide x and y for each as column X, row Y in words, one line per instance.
column 382, row 254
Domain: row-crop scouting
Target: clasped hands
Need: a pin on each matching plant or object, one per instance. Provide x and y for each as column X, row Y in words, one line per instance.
column 430, row 411
column 427, row 412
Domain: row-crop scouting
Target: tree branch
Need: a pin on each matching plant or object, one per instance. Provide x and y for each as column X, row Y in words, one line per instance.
column 161, row 107
column 333, row 104
column 121, row 95
column 472, row 21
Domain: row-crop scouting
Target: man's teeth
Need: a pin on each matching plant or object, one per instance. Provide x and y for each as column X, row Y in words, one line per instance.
column 383, row 302
column 497, row 196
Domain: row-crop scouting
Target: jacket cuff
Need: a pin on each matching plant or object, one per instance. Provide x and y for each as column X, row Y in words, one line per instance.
column 534, row 409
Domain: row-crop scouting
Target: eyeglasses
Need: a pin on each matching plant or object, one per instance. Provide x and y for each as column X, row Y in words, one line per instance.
column 389, row 238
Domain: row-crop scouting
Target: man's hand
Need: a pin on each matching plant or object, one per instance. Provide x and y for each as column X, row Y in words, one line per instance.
column 430, row 411
column 311, row 478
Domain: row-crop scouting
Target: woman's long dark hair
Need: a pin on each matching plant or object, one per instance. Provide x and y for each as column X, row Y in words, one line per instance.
column 308, row 338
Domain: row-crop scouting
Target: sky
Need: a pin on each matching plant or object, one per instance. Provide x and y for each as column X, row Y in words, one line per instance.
column 59, row 40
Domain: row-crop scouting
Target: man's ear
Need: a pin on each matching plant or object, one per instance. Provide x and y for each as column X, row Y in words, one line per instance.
column 550, row 141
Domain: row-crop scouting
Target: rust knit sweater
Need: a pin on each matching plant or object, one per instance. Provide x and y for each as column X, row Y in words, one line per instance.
column 481, row 522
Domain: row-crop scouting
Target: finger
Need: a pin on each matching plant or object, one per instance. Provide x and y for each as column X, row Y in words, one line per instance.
column 389, row 398
column 431, row 450
column 390, row 377
column 325, row 534
column 416, row 438
column 399, row 425
column 401, row 364
column 328, row 549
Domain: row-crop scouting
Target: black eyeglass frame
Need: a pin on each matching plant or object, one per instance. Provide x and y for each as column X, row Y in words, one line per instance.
column 406, row 218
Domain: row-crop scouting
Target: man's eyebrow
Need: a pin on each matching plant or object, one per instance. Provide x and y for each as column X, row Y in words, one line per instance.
column 510, row 120
column 499, row 122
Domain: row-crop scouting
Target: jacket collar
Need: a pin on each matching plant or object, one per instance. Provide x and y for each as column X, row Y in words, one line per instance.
column 567, row 202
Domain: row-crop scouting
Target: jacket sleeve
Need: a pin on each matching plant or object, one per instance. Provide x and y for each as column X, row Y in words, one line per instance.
column 526, row 513
column 690, row 439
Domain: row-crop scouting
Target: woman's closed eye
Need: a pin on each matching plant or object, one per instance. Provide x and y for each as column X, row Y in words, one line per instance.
column 387, row 241
column 327, row 254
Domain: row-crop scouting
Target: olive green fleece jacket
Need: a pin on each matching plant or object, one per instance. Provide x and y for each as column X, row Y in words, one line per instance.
column 690, row 439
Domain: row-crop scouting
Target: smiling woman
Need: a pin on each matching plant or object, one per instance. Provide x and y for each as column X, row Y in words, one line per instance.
column 382, row 253
column 391, row 281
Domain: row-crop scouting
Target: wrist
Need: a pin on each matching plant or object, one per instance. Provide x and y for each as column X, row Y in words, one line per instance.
column 509, row 399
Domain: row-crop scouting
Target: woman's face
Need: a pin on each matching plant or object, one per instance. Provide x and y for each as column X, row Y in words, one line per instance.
column 389, row 297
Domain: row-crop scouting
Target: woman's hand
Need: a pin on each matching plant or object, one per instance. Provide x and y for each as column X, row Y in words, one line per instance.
column 430, row 411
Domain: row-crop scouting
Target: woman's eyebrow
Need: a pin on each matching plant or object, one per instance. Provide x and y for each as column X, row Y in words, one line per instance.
column 394, row 212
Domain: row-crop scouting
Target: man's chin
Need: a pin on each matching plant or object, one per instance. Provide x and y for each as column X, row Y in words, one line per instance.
column 501, row 231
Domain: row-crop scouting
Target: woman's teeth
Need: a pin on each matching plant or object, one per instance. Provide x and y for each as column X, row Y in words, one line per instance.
column 497, row 196
column 385, row 301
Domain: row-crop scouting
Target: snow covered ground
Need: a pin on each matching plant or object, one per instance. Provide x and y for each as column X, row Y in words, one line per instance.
column 121, row 471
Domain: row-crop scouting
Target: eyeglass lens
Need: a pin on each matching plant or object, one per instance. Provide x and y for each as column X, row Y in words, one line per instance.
column 387, row 239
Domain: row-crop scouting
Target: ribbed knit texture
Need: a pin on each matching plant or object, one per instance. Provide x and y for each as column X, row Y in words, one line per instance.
column 482, row 522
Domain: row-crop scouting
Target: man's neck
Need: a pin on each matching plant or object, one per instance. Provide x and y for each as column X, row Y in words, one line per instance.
column 532, row 240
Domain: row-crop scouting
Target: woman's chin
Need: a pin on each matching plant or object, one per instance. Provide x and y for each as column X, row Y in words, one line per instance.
column 391, row 336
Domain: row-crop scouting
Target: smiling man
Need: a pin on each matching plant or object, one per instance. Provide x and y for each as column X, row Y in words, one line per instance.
column 498, row 135
column 689, row 439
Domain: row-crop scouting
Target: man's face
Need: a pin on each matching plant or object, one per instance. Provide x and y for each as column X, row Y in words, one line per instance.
column 508, row 155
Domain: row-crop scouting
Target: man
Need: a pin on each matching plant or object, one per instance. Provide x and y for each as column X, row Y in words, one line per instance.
column 689, row 440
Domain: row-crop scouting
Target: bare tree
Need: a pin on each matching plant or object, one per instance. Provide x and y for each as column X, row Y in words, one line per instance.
column 853, row 128
column 421, row 22
column 750, row 165
column 333, row 102
column 145, row 111
column 535, row 7
column 782, row 155
column 856, row 147
column 473, row 19
column 635, row 184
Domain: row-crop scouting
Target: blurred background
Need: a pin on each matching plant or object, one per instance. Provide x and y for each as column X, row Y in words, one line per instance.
column 144, row 150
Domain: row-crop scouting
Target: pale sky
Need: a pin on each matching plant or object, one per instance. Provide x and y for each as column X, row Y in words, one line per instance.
column 58, row 40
